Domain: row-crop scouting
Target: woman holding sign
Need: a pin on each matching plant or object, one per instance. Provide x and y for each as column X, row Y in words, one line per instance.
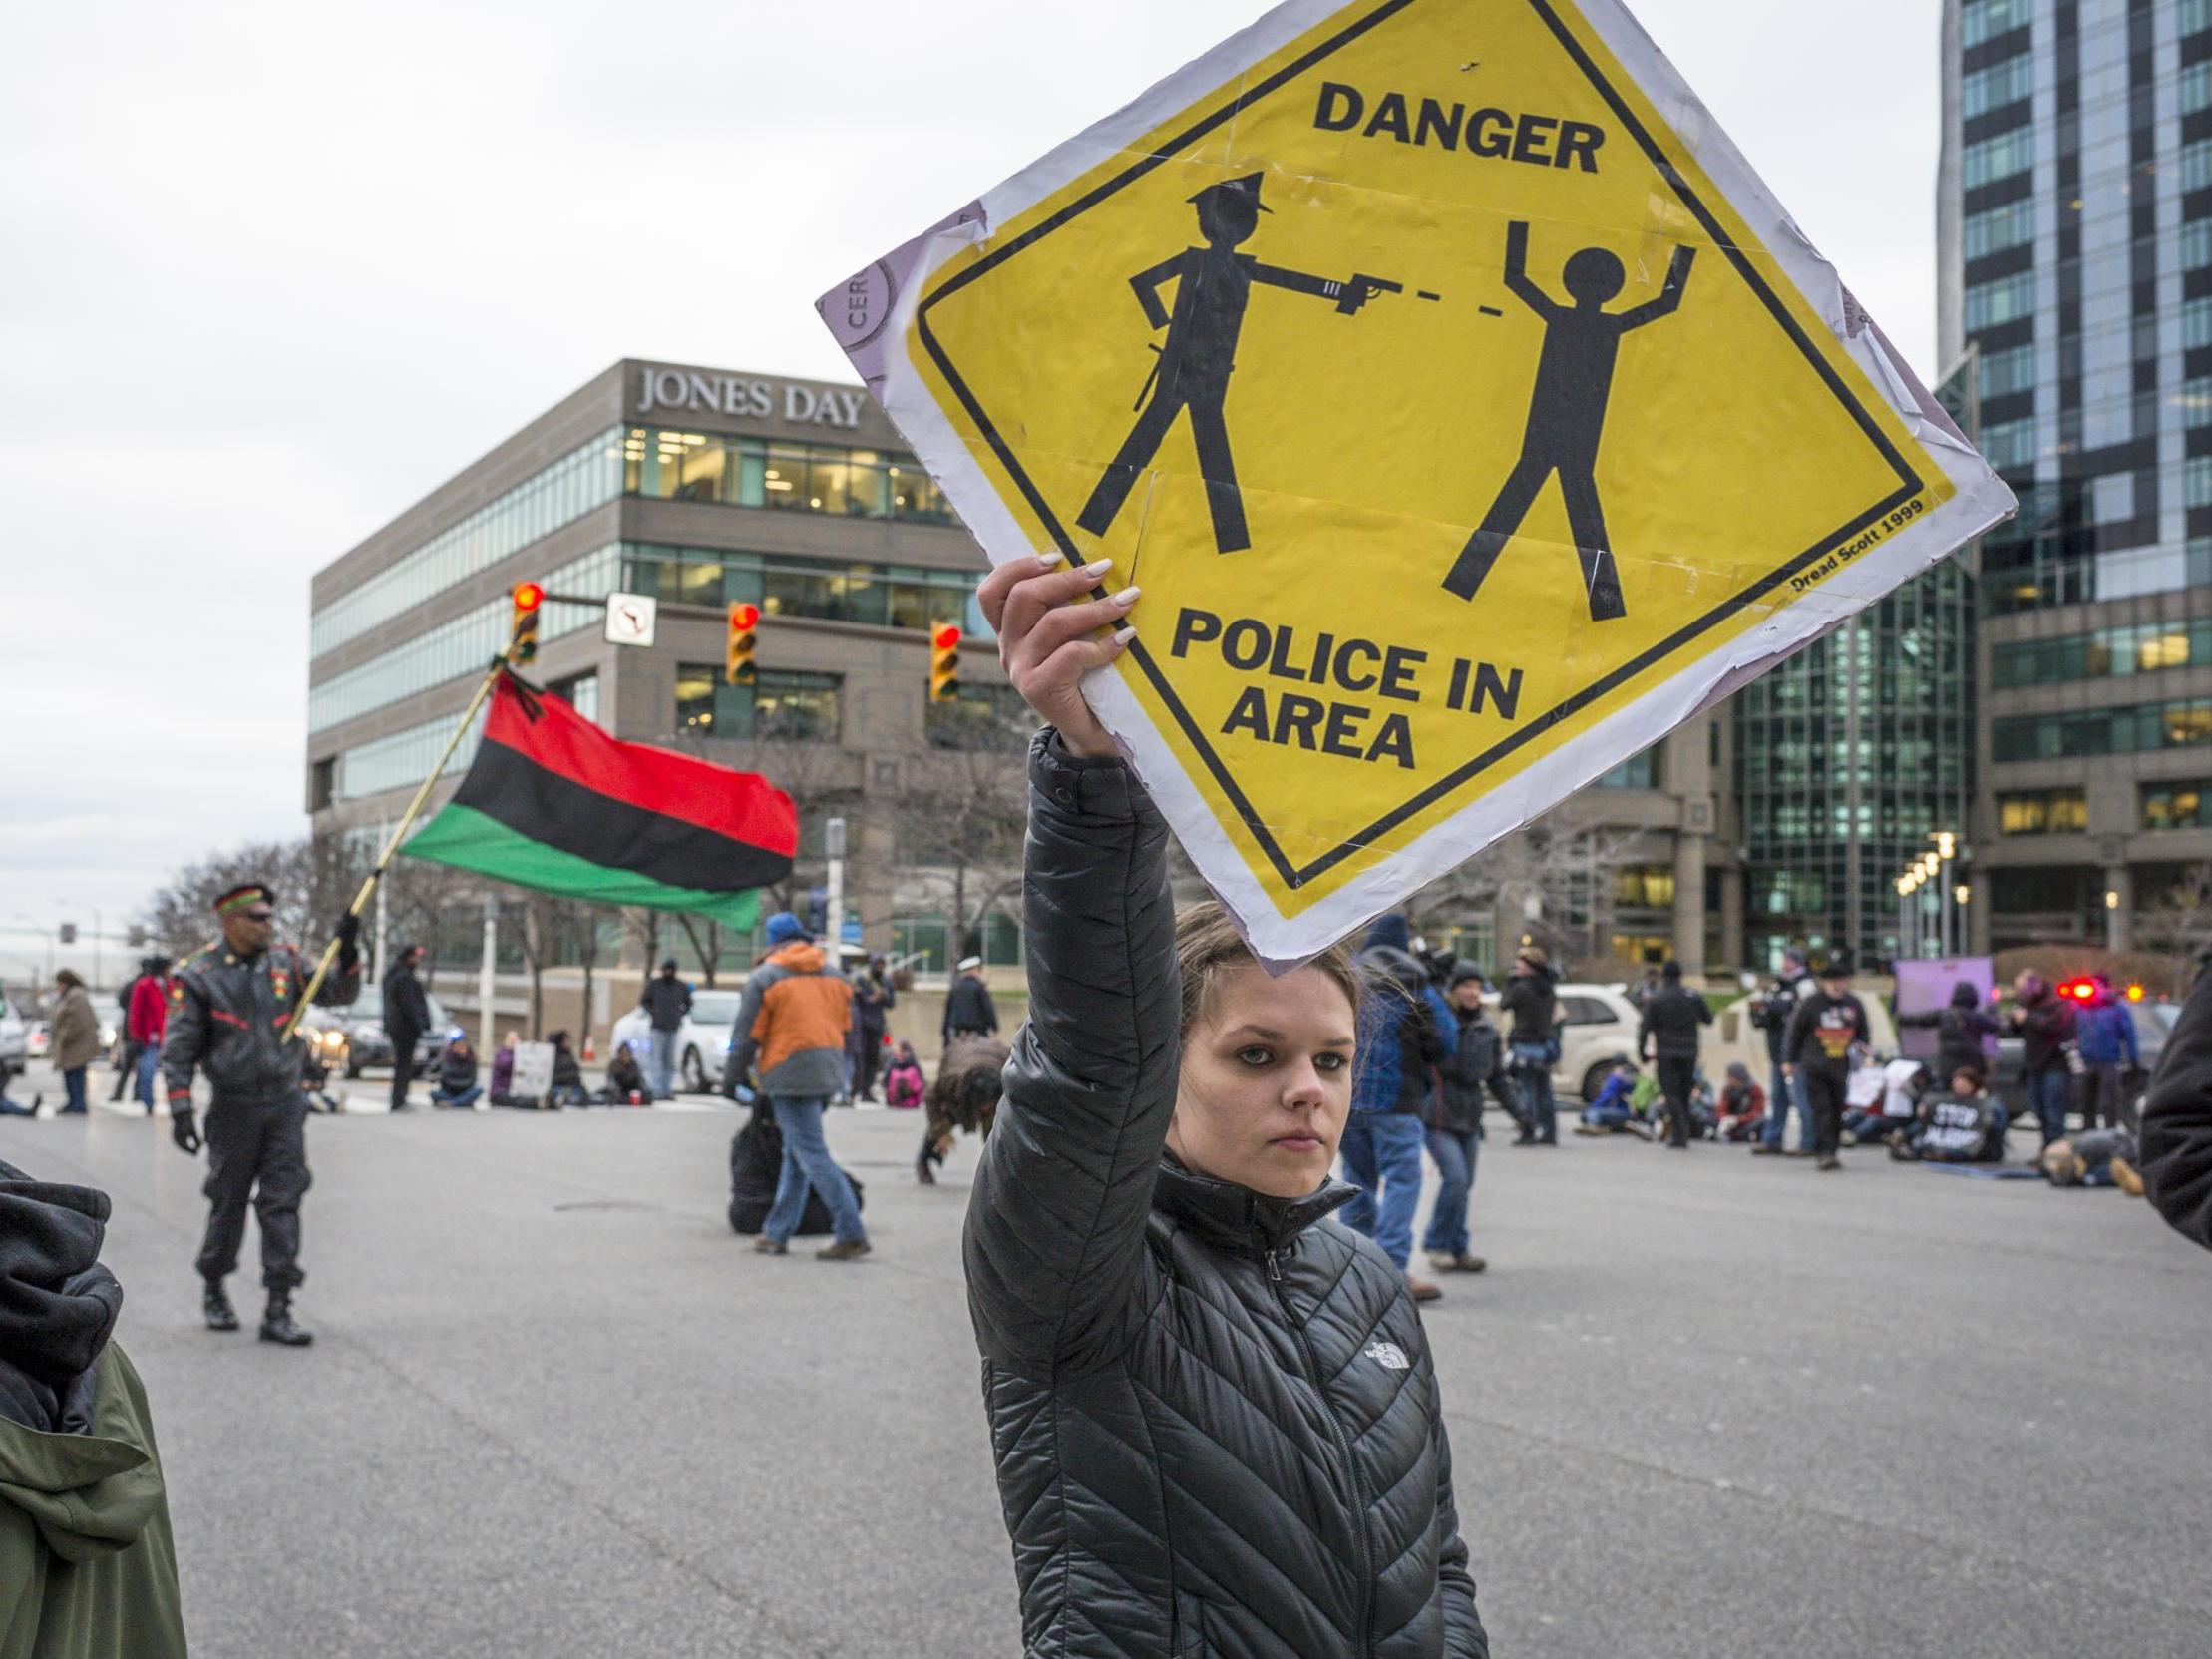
column 1213, row 1409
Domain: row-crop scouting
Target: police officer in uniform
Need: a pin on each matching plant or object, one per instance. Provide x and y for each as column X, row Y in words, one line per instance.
column 227, row 1007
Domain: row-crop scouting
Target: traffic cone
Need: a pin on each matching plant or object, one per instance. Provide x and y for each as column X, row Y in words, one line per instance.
column 590, row 1048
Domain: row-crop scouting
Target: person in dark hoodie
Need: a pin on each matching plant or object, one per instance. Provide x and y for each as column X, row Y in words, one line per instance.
column 1963, row 1031
column 1455, row 1143
column 88, row 1564
column 1392, row 1081
column 2176, row 1141
column 1532, row 1044
column 1672, row 1017
column 406, row 1018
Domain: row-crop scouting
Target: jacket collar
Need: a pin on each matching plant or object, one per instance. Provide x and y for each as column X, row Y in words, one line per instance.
column 1237, row 1217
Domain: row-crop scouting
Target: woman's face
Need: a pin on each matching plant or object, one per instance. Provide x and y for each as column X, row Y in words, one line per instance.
column 1266, row 1080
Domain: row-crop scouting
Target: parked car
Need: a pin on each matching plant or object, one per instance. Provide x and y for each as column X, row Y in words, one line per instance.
column 15, row 1040
column 38, row 1039
column 702, row 1042
column 360, row 1026
column 1598, row 1032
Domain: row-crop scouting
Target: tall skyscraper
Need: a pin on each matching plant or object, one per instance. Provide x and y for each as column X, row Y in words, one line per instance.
column 2074, row 248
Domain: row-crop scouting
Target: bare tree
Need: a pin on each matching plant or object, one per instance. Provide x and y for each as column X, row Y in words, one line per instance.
column 707, row 946
column 961, row 817
column 308, row 882
column 1566, row 866
column 2180, row 918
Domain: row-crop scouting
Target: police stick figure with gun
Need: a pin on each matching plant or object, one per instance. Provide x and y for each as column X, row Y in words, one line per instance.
column 1192, row 368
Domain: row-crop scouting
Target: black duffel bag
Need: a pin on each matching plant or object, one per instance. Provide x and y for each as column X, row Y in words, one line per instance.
column 756, row 1161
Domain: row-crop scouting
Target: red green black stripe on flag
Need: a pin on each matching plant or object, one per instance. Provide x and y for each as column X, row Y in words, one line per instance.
column 551, row 802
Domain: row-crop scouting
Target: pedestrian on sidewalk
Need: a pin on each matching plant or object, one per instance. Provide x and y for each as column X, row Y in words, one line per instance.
column 1532, row 1044
column 88, row 1562
column 2109, row 1052
column 969, row 1010
column 406, row 1018
column 873, row 997
column 1771, row 1011
column 146, row 1022
column 1817, row 1049
column 1172, row 1331
column 668, row 1005
column 1393, row 1088
column 2044, row 1022
column 75, row 1038
column 1475, row 1066
column 225, row 1020
column 1667, row 1035
column 790, row 1033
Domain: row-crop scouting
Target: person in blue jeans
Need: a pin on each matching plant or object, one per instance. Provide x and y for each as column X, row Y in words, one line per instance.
column 2045, row 1023
column 1455, row 1143
column 1771, row 1012
column 1400, row 1046
column 1532, row 1042
column 1612, row 1113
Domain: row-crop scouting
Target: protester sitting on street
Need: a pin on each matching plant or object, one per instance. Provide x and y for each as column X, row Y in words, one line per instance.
column 1827, row 1030
column 16, row 1108
column 2095, row 1158
column 88, row 1562
column 1610, row 1112
column 1153, row 1279
column 1741, row 1110
column 568, row 1076
column 1890, row 1105
column 1963, row 1126
column 963, row 1099
column 1474, row 1066
column 2177, row 1118
column 1673, row 1018
column 627, row 1083
column 456, row 1084
column 1963, row 1031
column 502, row 1073
column 2045, row 1021
column 903, row 1086
column 2106, row 1034
column 790, row 1032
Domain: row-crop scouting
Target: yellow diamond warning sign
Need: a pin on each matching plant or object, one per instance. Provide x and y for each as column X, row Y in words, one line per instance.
column 1468, row 412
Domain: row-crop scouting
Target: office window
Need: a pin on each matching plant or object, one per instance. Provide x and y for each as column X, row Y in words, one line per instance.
column 2009, row 372
column 795, row 476
column 2175, row 806
column 1637, row 772
column 2011, row 226
column 1981, row 20
column 2010, row 443
column 2043, row 812
column 1998, row 158
column 2194, row 402
column 1645, row 886
column 2196, row 248
column 2194, row 16
column 1996, row 86
column 2196, row 164
column 2196, row 324
column 2195, row 89
column 2010, row 297
column 696, row 684
column 796, row 707
column 2196, row 480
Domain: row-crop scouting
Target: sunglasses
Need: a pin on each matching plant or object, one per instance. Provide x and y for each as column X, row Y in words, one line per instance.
column 260, row 916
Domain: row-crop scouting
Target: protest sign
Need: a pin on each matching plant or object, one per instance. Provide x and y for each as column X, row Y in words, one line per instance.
column 533, row 1067
column 1467, row 410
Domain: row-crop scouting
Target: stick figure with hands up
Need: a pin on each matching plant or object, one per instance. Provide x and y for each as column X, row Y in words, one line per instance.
column 1566, row 412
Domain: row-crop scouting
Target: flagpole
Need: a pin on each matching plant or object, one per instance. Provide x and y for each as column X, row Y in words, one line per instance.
column 391, row 844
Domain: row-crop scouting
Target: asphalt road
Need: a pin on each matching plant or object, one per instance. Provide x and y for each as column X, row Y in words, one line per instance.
column 1702, row 1404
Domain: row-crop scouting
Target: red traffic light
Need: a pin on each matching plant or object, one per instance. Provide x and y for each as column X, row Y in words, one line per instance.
column 2080, row 990
column 946, row 637
column 744, row 616
column 529, row 596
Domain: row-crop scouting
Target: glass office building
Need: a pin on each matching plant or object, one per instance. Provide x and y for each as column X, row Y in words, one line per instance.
column 2075, row 218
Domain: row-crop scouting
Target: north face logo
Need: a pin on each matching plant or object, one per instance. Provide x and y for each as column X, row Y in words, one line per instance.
column 1388, row 1354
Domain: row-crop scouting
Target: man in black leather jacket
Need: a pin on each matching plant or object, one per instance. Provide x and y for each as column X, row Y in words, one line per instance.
column 406, row 1018
column 229, row 1009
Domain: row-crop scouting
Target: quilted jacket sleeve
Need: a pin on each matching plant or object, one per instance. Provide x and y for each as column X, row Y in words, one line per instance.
column 1464, row 1637
column 2177, row 1119
column 1055, row 1225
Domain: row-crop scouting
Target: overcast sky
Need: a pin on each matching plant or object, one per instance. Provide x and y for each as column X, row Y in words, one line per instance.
column 272, row 271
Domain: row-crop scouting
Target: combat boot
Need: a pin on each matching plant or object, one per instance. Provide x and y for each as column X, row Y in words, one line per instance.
column 278, row 1324
column 216, row 1309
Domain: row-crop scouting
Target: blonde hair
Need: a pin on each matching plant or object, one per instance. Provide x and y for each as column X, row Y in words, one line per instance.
column 1207, row 943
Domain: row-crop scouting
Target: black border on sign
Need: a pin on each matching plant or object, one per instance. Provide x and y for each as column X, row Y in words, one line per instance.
column 1295, row 875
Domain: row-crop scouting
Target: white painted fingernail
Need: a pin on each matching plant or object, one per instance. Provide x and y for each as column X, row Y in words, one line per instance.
column 1123, row 635
column 1047, row 559
column 1128, row 595
column 1098, row 566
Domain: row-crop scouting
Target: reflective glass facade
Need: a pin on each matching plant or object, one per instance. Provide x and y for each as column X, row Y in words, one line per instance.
column 785, row 705
column 2108, row 654
column 2135, row 728
column 797, row 477
column 1848, row 757
column 879, row 596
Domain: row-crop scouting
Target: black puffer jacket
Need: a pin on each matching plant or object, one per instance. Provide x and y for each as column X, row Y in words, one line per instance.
column 1213, row 1414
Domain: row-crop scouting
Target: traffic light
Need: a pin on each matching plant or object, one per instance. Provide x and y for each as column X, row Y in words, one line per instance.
column 945, row 664
column 68, row 933
column 744, row 636
column 530, row 601
column 134, row 938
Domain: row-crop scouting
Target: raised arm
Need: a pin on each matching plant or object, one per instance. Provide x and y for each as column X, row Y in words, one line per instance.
column 1669, row 297
column 1517, row 273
